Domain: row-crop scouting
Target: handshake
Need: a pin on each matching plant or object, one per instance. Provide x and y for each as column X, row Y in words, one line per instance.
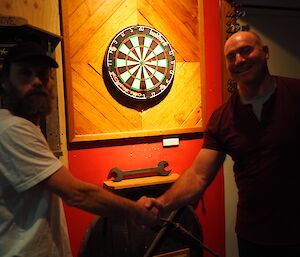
column 149, row 212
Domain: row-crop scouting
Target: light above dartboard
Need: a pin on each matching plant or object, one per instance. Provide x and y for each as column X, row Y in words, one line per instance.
column 140, row 63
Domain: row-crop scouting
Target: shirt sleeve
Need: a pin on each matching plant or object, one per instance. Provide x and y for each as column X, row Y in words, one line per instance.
column 25, row 157
column 211, row 137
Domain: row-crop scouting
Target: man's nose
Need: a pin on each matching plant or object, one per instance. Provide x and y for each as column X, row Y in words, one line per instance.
column 239, row 58
column 37, row 82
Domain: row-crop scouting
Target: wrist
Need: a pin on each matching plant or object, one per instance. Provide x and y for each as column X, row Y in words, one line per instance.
column 164, row 204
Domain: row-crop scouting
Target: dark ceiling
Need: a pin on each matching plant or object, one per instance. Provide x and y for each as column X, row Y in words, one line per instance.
column 273, row 3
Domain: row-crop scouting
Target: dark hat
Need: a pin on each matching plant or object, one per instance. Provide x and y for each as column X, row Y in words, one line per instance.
column 28, row 50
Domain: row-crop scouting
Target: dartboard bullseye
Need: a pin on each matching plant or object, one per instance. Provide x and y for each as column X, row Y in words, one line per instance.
column 140, row 63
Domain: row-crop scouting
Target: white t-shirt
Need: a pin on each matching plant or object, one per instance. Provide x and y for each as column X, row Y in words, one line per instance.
column 258, row 101
column 32, row 221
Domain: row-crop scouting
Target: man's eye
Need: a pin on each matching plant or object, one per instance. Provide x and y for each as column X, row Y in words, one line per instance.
column 230, row 57
column 25, row 73
column 245, row 51
column 43, row 75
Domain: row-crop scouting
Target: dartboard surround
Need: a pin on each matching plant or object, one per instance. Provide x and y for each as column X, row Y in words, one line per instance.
column 140, row 63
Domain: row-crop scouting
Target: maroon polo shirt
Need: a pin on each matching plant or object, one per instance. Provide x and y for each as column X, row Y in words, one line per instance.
column 266, row 157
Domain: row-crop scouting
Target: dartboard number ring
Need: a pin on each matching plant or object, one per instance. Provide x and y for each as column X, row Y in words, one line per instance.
column 140, row 62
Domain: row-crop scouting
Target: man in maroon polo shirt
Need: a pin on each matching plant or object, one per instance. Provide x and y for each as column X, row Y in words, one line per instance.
column 259, row 128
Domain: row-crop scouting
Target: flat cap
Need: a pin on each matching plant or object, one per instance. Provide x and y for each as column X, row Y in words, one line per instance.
column 28, row 50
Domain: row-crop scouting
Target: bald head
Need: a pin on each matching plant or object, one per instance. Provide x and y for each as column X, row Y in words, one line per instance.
column 243, row 35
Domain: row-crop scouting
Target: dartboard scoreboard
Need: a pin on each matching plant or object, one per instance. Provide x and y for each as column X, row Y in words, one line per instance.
column 140, row 63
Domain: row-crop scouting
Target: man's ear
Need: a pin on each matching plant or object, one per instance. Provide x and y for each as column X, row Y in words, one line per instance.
column 3, row 86
column 266, row 51
column 1, row 95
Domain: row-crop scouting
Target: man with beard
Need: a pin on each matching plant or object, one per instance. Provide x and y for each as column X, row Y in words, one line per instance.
column 32, row 222
column 259, row 128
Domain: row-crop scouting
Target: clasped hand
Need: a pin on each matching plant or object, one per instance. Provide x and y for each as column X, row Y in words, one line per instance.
column 150, row 214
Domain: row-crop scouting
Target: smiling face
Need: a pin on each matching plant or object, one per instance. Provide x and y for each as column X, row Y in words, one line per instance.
column 246, row 58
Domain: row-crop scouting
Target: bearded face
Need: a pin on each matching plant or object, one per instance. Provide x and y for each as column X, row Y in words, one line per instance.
column 36, row 103
column 27, row 90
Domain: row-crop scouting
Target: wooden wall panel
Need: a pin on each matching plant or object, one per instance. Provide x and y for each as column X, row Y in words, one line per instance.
column 89, row 26
column 39, row 13
column 178, row 21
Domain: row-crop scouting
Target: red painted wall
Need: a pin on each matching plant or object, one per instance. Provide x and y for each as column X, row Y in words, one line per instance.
column 93, row 164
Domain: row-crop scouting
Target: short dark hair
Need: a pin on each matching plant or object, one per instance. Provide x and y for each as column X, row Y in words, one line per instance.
column 3, row 76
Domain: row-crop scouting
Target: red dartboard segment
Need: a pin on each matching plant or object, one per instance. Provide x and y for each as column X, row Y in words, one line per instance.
column 140, row 62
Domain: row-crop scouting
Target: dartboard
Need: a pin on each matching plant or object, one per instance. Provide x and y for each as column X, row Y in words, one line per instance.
column 140, row 63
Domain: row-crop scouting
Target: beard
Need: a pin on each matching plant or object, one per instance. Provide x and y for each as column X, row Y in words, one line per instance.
column 35, row 104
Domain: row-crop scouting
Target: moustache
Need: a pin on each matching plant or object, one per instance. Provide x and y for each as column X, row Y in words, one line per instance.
column 38, row 92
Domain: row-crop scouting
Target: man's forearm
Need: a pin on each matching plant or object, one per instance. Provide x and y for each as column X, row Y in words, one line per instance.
column 99, row 201
column 194, row 181
column 92, row 198
column 185, row 191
